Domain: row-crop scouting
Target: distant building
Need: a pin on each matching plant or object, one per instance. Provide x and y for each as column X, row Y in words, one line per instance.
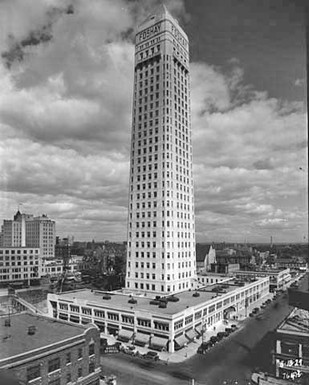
column 224, row 268
column 55, row 268
column 25, row 230
column 291, row 353
column 20, row 264
column 205, row 256
column 295, row 263
column 208, row 278
column 63, row 249
column 278, row 279
column 41, row 351
column 231, row 256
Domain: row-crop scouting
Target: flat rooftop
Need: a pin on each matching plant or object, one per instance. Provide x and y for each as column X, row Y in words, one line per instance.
column 271, row 271
column 48, row 331
column 297, row 321
column 120, row 302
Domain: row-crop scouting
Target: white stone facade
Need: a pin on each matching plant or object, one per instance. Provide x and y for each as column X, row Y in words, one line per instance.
column 161, row 224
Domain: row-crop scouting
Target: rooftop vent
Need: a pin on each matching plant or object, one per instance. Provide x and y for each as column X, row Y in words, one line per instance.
column 107, row 296
column 7, row 322
column 196, row 294
column 31, row 330
column 132, row 300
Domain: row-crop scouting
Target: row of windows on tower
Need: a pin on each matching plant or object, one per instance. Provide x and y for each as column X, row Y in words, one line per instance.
column 154, row 277
column 148, row 43
column 163, row 204
column 164, row 244
column 165, row 139
column 167, row 193
column 149, row 104
column 180, row 186
column 168, row 255
column 164, row 234
column 153, row 287
column 164, row 266
column 181, row 107
column 165, row 147
column 141, row 176
column 168, row 213
column 149, row 224
column 165, row 174
column 182, row 133
column 149, row 52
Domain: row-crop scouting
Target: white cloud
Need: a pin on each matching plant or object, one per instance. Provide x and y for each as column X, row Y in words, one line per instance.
column 65, row 118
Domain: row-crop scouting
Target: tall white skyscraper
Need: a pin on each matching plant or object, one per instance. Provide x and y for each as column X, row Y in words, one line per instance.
column 161, row 223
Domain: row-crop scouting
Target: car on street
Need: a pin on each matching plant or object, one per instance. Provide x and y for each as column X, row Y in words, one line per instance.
column 202, row 349
column 220, row 335
column 213, row 340
column 151, row 356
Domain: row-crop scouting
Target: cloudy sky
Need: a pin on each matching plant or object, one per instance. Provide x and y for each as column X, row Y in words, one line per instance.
column 66, row 75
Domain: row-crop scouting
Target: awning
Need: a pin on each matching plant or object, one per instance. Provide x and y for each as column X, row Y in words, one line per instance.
column 141, row 339
column 191, row 334
column 124, row 335
column 181, row 341
column 158, row 342
column 230, row 309
column 199, row 329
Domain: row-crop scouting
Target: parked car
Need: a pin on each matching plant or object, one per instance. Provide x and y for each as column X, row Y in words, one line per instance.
column 233, row 326
column 251, row 314
column 228, row 330
column 151, row 356
column 220, row 335
column 255, row 310
column 213, row 340
column 202, row 349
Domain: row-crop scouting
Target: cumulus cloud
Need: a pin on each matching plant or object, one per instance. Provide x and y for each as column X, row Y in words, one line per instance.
column 65, row 117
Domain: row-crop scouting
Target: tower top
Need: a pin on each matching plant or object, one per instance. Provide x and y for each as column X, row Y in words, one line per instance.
column 159, row 13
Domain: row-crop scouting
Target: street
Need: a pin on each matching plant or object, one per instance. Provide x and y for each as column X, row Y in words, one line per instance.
column 229, row 362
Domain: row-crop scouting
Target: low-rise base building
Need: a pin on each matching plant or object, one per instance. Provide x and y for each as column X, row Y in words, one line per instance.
column 278, row 279
column 163, row 323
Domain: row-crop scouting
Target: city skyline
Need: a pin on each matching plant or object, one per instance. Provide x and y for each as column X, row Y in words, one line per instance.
column 65, row 116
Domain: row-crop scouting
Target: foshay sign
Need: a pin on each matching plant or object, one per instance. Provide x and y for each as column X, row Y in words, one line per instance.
column 149, row 32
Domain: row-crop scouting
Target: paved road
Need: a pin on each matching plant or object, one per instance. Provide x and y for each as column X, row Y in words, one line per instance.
column 229, row 362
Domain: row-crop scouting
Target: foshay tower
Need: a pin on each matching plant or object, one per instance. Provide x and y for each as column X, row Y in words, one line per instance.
column 161, row 224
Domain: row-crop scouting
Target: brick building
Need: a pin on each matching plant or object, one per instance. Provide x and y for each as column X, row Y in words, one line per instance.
column 43, row 351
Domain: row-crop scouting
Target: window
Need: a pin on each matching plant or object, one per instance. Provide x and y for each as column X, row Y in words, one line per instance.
column 33, row 372
column 80, row 353
column 68, row 377
column 68, row 358
column 80, row 372
column 54, row 382
column 54, row 364
column 91, row 367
